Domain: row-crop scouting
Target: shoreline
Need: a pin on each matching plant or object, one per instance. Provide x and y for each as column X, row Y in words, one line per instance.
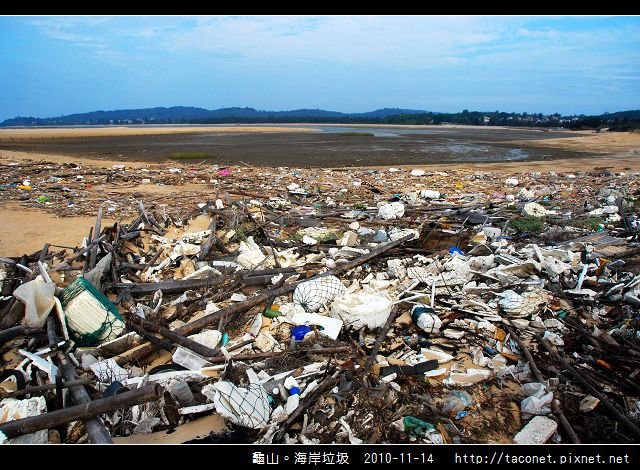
column 301, row 147
column 629, row 160
column 25, row 133
column 619, row 152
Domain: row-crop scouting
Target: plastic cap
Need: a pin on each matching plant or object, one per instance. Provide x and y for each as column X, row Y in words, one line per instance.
column 299, row 332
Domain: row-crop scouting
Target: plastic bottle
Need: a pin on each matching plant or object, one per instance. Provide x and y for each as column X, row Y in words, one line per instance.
column 299, row 332
column 293, row 401
column 425, row 318
column 180, row 390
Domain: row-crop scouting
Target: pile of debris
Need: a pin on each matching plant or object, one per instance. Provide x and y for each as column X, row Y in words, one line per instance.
column 341, row 306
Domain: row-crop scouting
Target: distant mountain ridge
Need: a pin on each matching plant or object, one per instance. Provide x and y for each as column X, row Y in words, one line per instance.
column 618, row 121
column 189, row 114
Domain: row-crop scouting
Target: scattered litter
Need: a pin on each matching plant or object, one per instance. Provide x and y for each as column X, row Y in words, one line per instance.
column 312, row 295
column 425, row 318
column 393, row 210
column 109, row 371
column 91, row 317
column 589, row 403
column 38, row 297
column 12, row 409
column 362, row 309
column 395, row 306
column 247, row 407
column 534, row 209
column 537, row 431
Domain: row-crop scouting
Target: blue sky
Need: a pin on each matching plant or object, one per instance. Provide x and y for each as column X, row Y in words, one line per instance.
column 51, row 66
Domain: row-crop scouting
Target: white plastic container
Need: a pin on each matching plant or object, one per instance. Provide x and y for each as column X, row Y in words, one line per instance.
column 362, row 309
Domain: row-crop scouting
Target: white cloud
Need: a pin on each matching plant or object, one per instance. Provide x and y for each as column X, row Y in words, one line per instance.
column 396, row 40
column 73, row 29
column 437, row 44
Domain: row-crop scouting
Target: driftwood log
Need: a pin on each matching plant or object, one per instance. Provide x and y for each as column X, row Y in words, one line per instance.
column 56, row 418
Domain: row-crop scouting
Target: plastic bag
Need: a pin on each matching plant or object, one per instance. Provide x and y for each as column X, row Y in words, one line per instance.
column 520, row 306
column 12, row 409
column 533, row 209
column 457, row 401
column 416, row 427
column 250, row 254
column 38, row 298
column 393, row 210
column 534, row 389
column 537, row 406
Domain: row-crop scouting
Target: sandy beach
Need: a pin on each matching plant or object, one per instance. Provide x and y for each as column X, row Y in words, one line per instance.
column 10, row 134
column 620, row 152
column 26, row 231
column 319, row 146
column 322, row 230
column 621, row 149
column 619, row 143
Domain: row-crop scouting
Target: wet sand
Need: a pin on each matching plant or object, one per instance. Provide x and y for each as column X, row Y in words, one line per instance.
column 581, row 151
column 25, row 228
column 315, row 147
column 20, row 133
column 25, row 134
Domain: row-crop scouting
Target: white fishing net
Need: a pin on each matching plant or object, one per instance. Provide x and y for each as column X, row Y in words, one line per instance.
column 312, row 295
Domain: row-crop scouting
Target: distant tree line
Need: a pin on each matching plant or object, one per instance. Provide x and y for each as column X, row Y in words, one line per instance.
column 619, row 121
column 476, row 118
column 473, row 118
